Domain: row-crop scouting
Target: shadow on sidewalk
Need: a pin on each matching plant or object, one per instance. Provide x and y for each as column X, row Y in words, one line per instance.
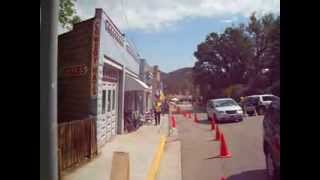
column 212, row 140
column 213, row 157
column 259, row 174
column 228, row 122
column 204, row 121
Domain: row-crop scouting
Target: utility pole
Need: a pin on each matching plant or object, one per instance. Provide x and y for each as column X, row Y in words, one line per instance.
column 48, row 90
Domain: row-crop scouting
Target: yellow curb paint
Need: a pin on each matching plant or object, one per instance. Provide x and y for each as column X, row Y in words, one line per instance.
column 153, row 172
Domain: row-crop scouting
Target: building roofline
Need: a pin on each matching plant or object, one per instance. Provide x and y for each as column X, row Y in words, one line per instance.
column 81, row 22
column 119, row 31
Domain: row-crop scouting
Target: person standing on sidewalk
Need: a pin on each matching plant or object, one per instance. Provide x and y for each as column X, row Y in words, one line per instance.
column 157, row 111
column 165, row 107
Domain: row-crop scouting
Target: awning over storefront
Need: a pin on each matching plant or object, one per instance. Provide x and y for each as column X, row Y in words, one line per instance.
column 135, row 84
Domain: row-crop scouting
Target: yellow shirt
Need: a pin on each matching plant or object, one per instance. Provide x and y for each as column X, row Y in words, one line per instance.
column 158, row 107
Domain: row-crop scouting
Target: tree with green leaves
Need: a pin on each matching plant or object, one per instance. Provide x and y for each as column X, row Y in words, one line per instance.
column 68, row 14
column 265, row 34
column 244, row 54
column 222, row 58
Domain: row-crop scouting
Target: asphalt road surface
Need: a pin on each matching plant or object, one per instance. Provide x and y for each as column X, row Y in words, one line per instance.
column 199, row 151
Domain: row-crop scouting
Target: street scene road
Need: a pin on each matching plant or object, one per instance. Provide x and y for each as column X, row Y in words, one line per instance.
column 119, row 70
column 199, row 151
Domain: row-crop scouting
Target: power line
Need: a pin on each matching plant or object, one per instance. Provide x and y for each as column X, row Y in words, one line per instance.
column 134, row 44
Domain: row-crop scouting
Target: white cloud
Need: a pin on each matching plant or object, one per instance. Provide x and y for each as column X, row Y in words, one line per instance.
column 153, row 15
column 233, row 19
column 227, row 21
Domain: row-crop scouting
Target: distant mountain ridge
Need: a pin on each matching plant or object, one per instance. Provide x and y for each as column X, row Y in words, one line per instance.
column 178, row 81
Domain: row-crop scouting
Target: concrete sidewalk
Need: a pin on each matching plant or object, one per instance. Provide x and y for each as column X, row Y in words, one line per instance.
column 170, row 167
column 141, row 145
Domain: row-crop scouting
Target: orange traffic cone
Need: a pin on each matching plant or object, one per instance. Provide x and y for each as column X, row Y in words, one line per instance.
column 217, row 133
column 212, row 123
column 184, row 114
column 189, row 115
column 224, row 152
column 196, row 118
column 173, row 119
column 215, row 119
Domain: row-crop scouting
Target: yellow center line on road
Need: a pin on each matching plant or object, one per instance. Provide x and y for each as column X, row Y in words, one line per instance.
column 153, row 172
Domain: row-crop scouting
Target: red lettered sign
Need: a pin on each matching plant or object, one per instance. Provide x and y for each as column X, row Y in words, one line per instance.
column 95, row 56
column 74, row 71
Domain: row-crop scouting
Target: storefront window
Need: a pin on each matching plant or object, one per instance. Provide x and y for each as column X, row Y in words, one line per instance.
column 103, row 101
column 109, row 100
column 135, row 94
column 110, row 74
column 113, row 98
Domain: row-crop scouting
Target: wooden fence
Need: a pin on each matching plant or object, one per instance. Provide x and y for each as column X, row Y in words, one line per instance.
column 77, row 142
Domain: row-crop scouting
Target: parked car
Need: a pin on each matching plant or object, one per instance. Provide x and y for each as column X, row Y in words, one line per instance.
column 225, row 110
column 249, row 105
column 259, row 103
column 271, row 139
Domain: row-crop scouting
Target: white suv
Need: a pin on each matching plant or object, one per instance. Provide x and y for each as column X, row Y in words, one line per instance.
column 262, row 102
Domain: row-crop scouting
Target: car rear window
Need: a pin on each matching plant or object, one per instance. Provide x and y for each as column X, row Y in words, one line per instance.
column 251, row 101
column 268, row 98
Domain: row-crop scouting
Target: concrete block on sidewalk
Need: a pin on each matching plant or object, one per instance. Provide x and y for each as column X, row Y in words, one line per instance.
column 120, row 169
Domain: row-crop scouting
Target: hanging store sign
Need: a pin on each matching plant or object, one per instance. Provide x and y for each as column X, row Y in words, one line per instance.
column 95, row 57
column 113, row 32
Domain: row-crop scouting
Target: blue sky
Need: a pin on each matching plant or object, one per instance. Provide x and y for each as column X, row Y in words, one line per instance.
column 172, row 48
column 167, row 32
